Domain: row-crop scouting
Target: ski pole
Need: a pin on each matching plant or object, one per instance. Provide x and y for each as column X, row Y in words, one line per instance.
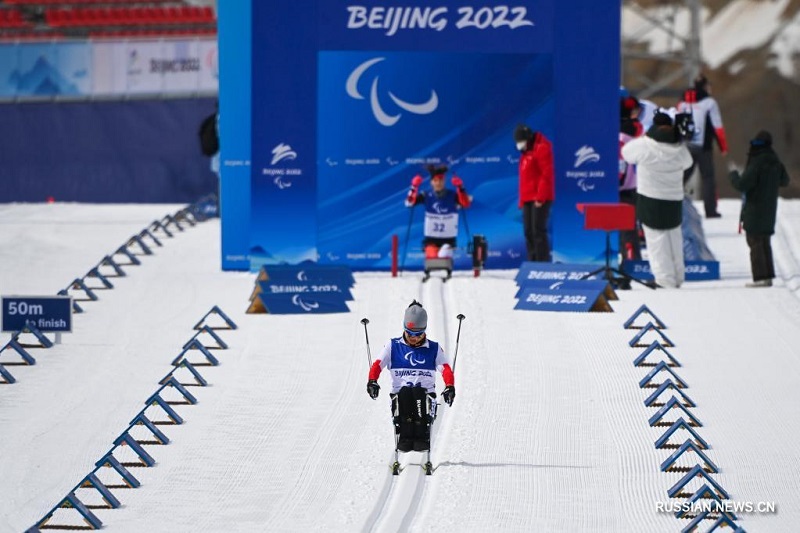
column 460, row 317
column 408, row 235
column 365, row 321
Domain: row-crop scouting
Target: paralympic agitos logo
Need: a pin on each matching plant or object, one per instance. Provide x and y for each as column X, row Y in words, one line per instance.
column 383, row 117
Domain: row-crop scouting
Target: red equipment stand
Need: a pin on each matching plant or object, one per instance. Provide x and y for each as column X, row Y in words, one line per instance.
column 611, row 217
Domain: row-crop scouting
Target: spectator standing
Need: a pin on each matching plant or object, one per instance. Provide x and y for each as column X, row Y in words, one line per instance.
column 661, row 159
column 630, row 128
column 762, row 176
column 536, row 189
column 209, row 138
column 209, row 145
column 629, row 112
column 708, row 128
column 646, row 108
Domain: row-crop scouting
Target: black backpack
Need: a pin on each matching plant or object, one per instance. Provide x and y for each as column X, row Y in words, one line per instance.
column 209, row 140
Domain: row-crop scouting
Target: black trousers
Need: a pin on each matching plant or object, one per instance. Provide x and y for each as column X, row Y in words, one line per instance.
column 413, row 410
column 761, row 263
column 629, row 238
column 704, row 160
column 534, row 224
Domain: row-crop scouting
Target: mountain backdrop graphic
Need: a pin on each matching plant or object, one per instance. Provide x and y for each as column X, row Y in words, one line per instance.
column 43, row 79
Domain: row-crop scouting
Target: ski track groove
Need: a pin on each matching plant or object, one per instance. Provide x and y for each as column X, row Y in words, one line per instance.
column 398, row 507
column 596, row 385
column 577, row 389
column 327, row 437
column 476, row 374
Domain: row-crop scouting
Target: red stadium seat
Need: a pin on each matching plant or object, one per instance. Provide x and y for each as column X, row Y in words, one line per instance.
column 173, row 15
column 11, row 19
column 53, row 17
column 89, row 17
column 122, row 15
column 207, row 15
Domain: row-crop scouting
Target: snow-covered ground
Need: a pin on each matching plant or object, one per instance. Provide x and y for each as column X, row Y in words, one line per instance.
column 548, row 432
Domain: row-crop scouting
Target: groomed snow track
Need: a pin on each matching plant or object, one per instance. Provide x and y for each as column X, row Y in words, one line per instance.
column 399, row 504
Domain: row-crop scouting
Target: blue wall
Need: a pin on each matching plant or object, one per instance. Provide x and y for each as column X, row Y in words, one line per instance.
column 139, row 151
column 348, row 102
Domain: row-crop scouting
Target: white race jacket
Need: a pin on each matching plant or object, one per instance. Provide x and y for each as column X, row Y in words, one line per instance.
column 705, row 108
column 412, row 366
column 659, row 167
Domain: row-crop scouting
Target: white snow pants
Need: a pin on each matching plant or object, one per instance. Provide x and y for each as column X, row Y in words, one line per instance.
column 665, row 254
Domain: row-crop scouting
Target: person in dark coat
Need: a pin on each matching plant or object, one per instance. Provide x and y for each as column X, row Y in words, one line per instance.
column 762, row 176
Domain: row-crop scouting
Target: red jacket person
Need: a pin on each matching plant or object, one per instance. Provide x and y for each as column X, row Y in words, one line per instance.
column 536, row 189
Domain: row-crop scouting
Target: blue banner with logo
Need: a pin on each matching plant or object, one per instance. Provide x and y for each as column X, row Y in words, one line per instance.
column 305, row 288
column 568, row 285
column 311, row 273
column 302, row 304
column 695, row 270
column 568, row 298
column 350, row 101
column 531, row 271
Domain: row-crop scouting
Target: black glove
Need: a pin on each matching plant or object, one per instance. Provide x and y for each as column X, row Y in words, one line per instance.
column 373, row 389
column 449, row 394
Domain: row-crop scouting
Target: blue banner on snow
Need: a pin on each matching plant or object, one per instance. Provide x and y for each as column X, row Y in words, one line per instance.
column 695, row 270
column 565, row 286
column 311, row 289
column 301, row 289
column 562, row 299
column 532, row 270
column 317, row 303
column 308, row 272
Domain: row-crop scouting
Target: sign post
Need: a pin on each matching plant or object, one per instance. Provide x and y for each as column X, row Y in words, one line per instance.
column 46, row 313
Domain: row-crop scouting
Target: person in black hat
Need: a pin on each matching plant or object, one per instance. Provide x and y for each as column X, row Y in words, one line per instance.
column 708, row 127
column 413, row 360
column 762, row 176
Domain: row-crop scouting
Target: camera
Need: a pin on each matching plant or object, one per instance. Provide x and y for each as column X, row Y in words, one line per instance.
column 684, row 126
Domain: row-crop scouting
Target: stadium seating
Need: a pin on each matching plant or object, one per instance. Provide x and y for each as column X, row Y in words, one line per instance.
column 22, row 19
column 11, row 18
column 68, row 3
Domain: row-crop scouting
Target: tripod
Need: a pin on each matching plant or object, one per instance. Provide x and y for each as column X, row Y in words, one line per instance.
column 611, row 217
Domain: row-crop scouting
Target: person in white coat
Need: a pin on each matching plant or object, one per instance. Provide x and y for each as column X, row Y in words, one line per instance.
column 660, row 160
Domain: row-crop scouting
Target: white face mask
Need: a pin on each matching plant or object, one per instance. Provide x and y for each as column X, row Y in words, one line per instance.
column 521, row 145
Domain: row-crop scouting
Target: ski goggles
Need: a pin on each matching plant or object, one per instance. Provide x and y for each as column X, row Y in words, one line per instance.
column 415, row 333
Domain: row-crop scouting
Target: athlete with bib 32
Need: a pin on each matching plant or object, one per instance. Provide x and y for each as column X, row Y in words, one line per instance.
column 441, row 215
